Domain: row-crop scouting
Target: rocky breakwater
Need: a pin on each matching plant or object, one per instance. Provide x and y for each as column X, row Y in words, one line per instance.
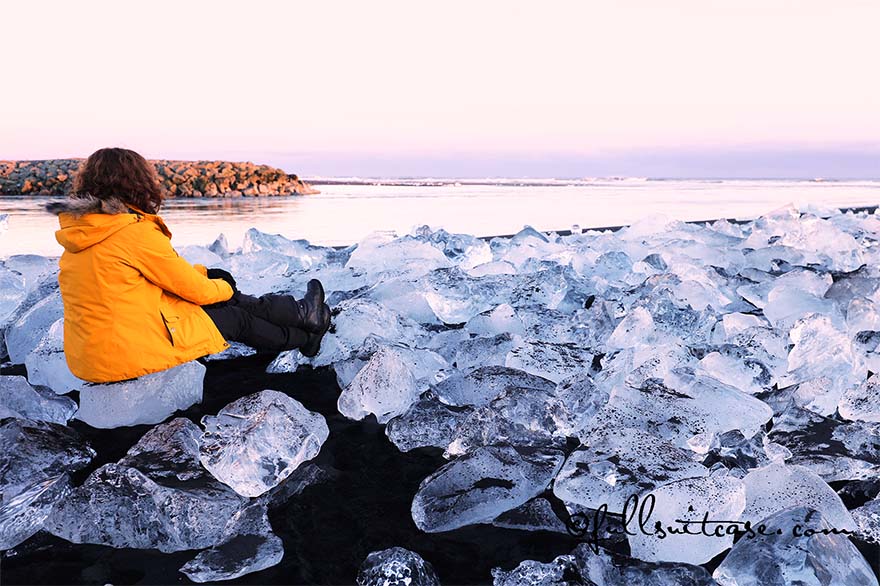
column 180, row 178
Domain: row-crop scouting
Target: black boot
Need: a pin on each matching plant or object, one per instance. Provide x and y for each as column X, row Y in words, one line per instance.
column 313, row 341
column 312, row 308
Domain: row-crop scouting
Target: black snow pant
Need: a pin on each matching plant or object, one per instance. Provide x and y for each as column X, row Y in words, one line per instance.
column 271, row 322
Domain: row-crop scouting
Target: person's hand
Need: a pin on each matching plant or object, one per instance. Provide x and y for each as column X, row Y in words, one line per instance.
column 225, row 275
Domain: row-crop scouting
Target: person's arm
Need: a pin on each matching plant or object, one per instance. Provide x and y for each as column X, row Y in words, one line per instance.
column 159, row 263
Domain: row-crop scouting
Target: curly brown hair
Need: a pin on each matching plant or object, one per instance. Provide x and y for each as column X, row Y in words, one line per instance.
column 122, row 174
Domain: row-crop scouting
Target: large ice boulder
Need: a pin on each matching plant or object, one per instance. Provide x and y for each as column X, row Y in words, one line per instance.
column 152, row 398
column 257, row 441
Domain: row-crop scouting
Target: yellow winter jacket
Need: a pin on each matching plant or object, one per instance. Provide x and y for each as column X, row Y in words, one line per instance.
column 131, row 303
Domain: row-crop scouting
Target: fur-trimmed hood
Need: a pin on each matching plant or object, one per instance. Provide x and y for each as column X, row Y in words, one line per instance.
column 87, row 204
column 88, row 220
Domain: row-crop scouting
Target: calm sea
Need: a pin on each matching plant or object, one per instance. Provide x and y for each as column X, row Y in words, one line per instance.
column 345, row 213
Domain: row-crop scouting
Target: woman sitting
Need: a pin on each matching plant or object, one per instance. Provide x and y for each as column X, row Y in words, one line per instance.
column 133, row 306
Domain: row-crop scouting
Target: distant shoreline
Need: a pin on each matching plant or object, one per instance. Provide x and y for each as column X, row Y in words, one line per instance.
column 180, row 178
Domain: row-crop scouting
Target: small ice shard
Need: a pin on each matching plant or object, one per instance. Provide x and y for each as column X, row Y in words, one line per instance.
column 518, row 416
column 478, row 487
column 23, row 515
column 157, row 496
column 385, row 387
column 502, row 319
column 235, row 350
column 562, row 571
column 618, row 462
column 427, row 423
column 35, row 451
column 47, row 365
column 722, row 498
column 606, row 568
column 862, row 403
column 19, row 399
column 780, row 486
column 789, row 556
column 257, row 441
column 867, row 518
column 396, row 566
column 822, row 352
column 25, row 333
column 152, row 398
column 833, row 449
column 554, row 362
column 479, row 386
column 246, row 546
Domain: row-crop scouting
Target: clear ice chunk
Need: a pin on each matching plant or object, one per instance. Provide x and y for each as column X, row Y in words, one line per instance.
column 826, row 359
column 257, row 441
column 23, row 515
column 47, row 365
column 246, row 546
column 427, row 423
column 19, row 399
column 396, row 566
column 157, row 497
column 479, row 386
column 721, row 497
column 35, row 451
column 780, row 486
column 518, row 416
column 789, row 556
column 152, row 398
column 619, row 462
column 558, row 572
column 835, row 450
column 479, row 486
column 25, row 333
column 386, row 386
column 862, row 403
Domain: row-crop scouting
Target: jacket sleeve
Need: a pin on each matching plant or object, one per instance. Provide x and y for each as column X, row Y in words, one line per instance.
column 159, row 263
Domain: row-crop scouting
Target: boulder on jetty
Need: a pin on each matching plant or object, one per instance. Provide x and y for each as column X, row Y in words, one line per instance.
column 180, row 178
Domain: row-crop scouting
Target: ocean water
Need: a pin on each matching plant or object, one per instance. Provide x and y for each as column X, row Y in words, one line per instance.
column 346, row 212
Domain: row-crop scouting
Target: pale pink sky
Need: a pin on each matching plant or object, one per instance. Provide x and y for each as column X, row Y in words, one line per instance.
column 295, row 82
